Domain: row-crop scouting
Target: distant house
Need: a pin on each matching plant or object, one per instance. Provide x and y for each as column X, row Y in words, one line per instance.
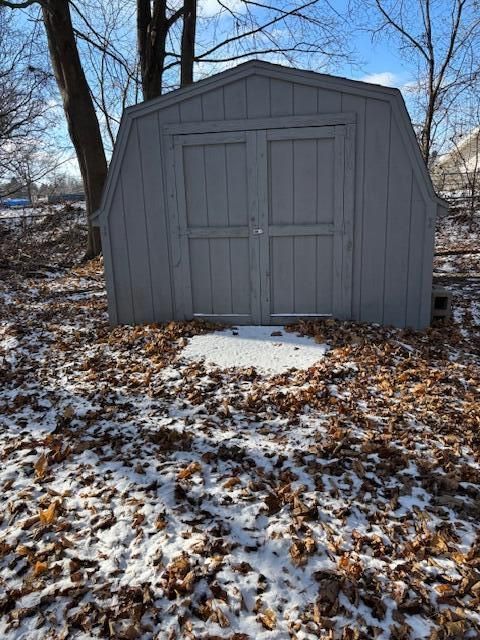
column 459, row 168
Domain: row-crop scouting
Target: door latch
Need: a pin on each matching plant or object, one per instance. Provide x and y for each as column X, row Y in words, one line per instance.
column 257, row 231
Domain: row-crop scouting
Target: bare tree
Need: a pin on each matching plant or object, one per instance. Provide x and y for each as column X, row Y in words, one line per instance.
column 22, row 95
column 106, row 43
column 305, row 31
column 154, row 21
column 188, row 42
column 30, row 162
column 77, row 102
column 441, row 37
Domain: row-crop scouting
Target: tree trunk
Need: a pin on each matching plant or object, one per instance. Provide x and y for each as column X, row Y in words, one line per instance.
column 188, row 41
column 79, row 110
column 152, row 30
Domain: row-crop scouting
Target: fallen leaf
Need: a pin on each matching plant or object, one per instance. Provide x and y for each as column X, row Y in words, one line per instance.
column 68, row 412
column 268, row 619
column 187, row 472
column 231, row 482
column 40, row 567
column 41, row 466
column 47, row 516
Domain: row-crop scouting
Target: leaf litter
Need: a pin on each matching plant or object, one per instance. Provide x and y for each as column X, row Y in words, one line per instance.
column 149, row 496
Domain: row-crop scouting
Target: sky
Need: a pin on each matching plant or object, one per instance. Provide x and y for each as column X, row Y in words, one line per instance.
column 377, row 62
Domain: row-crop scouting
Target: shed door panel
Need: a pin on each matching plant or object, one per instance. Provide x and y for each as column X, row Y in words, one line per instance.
column 264, row 223
column 302, row 216
column 213, row 187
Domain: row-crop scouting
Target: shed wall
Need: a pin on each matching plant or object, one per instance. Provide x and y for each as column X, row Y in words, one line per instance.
column 393, row 211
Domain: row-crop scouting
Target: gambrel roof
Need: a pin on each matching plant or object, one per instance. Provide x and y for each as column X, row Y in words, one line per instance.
column 269, row 70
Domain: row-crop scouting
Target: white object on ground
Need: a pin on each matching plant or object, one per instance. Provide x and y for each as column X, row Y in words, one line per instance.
column 255, row 346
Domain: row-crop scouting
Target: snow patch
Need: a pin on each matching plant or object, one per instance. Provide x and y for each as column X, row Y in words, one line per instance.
column 255, row 346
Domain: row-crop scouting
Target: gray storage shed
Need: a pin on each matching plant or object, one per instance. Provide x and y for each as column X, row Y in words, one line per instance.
column 264, row 194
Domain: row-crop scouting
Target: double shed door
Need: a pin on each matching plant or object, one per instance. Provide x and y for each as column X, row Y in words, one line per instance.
column 263, row 224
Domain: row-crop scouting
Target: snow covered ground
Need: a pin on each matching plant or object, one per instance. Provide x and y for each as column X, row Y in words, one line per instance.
column 268, row 349
column 147, row 494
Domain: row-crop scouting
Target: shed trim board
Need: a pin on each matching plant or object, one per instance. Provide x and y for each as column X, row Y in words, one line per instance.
column 265, row 174
column 272, row 123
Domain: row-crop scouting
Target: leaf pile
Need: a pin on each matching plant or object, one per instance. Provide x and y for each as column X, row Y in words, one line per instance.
column 150, row 497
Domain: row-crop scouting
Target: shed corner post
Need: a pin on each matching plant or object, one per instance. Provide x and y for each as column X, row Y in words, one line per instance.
column 427, row 266
column 102, row 222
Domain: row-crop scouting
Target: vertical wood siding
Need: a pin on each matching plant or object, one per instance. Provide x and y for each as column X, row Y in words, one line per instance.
column 375, row 194
column 357, row 105
column 397, row 232
column 120, row 259
column 156, row 221
column 136, row 231
column 393, row 238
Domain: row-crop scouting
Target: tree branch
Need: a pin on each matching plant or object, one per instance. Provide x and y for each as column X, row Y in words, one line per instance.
column 258, row 29
column 19, row 5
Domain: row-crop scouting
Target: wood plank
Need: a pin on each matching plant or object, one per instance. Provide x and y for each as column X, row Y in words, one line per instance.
column 253, row 221
column 282, row 269
column 183, row 290
column 398, row 232
column 305, row 182
column 415, row 262
column 212, row 105
column 305, row 274
column 338, row 197
column 156, row 217
column 265, row 274
column 193, row 161
column 377, row 136
column 236, row 166
column 216, row 185
column 220, row 274
column 276, row 230
column 191, row 109
column 428, row 253
column 171, row 204
column 225, row 318
column 348, row 218
column 109, row 272
column 136, row 231
column 304, row 133
column 324, row 262
column 355, row 103
column 304, row 99
column 218, row 232
column 240, row 276
column 258, row 96
column 120, row 260
column 235, row 100
column 325, row 181
column 200, row 276
column 166, row 115
column 281, row 98
column 281, row 182
column 263, row 123
column 329, row 101
column 211, row 138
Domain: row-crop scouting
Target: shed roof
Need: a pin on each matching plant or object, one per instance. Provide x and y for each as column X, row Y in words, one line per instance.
column 266, row 69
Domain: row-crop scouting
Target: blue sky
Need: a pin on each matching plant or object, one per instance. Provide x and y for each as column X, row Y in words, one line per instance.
column 378, row 62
